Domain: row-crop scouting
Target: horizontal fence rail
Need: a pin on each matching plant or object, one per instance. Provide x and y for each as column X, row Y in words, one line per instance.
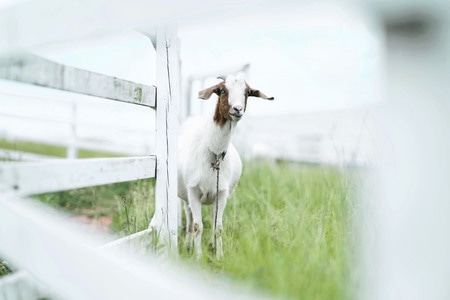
column 27, row 178
column 29, row 68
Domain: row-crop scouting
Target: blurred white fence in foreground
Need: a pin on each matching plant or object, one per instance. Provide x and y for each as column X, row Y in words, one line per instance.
column 406, row 240
column 70, row 265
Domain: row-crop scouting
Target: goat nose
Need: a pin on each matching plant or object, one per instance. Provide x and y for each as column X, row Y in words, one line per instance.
column 238, row 109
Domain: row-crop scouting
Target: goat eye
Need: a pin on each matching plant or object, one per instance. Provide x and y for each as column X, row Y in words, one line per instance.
column 222, row 91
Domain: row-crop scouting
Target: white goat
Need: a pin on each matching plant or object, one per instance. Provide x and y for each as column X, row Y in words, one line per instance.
column 203, row 143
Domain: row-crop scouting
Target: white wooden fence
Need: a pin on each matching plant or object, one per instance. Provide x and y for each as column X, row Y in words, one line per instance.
column 73, row 123
column 37, row 242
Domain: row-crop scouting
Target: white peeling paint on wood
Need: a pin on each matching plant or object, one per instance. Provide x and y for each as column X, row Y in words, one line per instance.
column 32, row 69
column 29, row 178
column 165, row 219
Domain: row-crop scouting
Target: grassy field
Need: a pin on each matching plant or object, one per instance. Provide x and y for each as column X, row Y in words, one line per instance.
column 288, row 228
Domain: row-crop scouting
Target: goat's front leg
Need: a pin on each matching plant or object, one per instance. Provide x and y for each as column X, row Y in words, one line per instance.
column 196, row 210
column 218, row 208
column 189, row 227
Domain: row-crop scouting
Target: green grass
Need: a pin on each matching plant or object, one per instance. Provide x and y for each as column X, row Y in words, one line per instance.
column 113, row 199
column 134, row 208
column 288, row 228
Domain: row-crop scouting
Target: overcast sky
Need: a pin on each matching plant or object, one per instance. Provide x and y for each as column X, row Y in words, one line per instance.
column 308, row 56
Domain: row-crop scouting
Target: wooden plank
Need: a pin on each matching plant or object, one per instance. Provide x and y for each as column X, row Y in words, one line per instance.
column 67, row 261
column 32, row 69
column 27, row 178
column 165, row 218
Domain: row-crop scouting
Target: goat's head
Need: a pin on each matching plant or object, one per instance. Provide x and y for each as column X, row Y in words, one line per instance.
column 232, row 95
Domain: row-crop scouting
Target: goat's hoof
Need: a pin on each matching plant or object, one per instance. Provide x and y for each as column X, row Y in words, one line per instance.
column 198, row 257
column 189, row 245
column 219, row 255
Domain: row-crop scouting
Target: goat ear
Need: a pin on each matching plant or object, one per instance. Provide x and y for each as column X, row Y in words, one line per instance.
column 257, row 93
column 206, row 93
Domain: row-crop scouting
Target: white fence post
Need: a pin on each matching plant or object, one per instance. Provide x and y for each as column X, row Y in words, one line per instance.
column 411, row 208
column 165, row 220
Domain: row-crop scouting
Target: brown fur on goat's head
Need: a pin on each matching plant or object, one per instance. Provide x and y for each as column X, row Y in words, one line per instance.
column 232, row 99
column 222, row 111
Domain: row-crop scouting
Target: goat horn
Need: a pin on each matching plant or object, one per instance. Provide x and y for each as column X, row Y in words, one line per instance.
column 223, row 77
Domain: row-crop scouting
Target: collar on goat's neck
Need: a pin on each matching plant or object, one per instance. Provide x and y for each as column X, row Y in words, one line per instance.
column 216, row 163
column 218, row 138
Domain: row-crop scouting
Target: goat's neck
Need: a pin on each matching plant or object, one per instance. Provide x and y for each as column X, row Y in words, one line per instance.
column 218, row 137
